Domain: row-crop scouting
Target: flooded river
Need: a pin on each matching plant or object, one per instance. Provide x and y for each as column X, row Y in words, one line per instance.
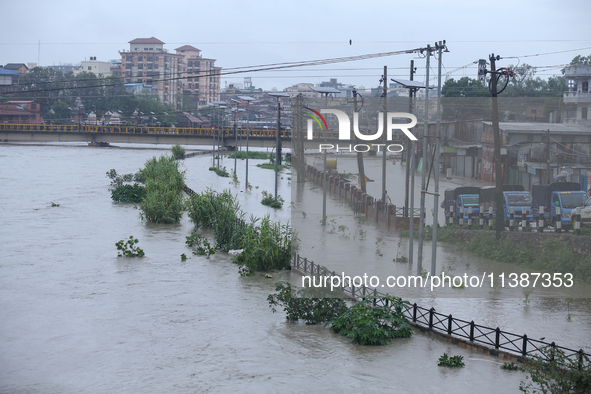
column 77, row 319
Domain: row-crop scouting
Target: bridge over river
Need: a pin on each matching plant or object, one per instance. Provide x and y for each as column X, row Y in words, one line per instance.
column 154, row 135
column 229, row 137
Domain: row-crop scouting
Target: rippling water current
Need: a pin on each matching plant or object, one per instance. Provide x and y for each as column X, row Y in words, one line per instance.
column 77, row 319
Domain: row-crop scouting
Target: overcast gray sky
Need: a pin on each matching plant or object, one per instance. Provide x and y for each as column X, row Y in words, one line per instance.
column 243, row 33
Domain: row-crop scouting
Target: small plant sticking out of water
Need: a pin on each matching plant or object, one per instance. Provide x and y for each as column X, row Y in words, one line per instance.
column 362, row 235
column 270, row 201
column 304, row 214
column 401, row 259
column 178, row 152
column 200, row 245
column 235, row 178
column 526, row 293
column 342, row 229
column 54, row 204
column 423, row 273
column 452, row 362
column 220, row 171
column 509, row 366
column 568, row 301
column 380, row 243
column 496, row 287
column 267, row 275
column 183, row 257
column 128, row 249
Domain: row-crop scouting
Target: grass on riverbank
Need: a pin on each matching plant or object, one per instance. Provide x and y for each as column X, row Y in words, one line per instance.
column 552, row 256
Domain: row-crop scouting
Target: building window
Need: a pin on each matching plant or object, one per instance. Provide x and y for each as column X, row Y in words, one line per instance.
column 89, row 68
column 584, row 113
column 33, row 105
column 586, row 87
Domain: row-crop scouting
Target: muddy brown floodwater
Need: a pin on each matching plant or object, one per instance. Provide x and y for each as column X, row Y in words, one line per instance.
column 78, row 319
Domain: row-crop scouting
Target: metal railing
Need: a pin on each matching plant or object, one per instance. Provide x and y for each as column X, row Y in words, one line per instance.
column 119, row 129
column 520, row 345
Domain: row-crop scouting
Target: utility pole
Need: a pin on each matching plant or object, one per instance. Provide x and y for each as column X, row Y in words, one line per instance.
column 424, row 169
column 439, row 47
column 499, row 222
column 548, row 156
column 408, row 142
column 385, row 95
column 359, row 154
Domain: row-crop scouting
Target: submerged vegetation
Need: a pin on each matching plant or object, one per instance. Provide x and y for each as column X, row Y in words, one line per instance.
column 129, row 248
column 553, row 255
column 178, row 152
column 365, row 323
column 251, row 155
column 164, row 202
column 271, row 201
column 451, row 361
column 266, row 245
column 220, row 171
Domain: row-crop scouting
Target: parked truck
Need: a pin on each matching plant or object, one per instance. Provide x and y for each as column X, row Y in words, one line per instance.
column 553, row 204
column 515, row 199
column 458, row 202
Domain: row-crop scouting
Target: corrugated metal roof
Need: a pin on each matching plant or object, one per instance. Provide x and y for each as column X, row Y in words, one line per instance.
column 4, row 71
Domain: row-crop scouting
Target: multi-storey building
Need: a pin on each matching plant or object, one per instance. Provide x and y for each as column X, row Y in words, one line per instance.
column 95, row 66
column 149, row 63
column 579, row 78
column 200, row 79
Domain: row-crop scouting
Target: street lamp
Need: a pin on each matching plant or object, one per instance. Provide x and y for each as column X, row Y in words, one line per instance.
column 278, row 96
column 248, row 99
column 326, row 91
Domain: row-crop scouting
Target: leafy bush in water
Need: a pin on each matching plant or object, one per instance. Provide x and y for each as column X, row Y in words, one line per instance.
column 118, row 180
column 310, row 310
column 561, row 375
column 129, row 193
column 270, row 201
column 452, row 362
column 265, row 247
column 178, row 152
column 200, row 245
column 128, row 249
column 164, row 202
column 366, row 324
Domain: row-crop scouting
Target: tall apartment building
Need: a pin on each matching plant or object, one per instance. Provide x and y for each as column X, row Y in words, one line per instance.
column 149, row 63
column 201, row 82
column 579, row 79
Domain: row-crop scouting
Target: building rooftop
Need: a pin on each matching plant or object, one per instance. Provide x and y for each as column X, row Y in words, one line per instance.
column 151, row 40
column 15, row 66
column 4, row 71
column 187, row 48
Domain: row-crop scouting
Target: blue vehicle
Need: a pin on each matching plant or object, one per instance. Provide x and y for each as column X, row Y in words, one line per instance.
column 515, row 198
column 553, row 204
column 458, row 202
